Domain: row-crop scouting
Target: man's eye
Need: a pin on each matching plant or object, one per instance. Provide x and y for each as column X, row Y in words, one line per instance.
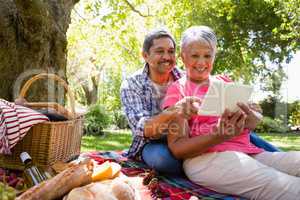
column 207, row 56
column 195, row 56
column 171, row 52
column 159, row 51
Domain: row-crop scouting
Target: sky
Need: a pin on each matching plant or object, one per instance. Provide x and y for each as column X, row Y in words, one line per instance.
column 291, row 87
column 290, row 90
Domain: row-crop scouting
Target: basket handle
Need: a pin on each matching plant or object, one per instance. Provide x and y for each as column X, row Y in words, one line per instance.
column 55, row 105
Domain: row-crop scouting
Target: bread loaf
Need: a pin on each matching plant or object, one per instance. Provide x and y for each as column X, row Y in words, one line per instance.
column 105, row 190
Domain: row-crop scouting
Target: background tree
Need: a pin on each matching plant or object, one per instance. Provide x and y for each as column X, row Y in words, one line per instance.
column 32, row 40
column 255, row 37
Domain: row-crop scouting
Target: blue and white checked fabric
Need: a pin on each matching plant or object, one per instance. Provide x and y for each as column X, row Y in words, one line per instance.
column 139, row 105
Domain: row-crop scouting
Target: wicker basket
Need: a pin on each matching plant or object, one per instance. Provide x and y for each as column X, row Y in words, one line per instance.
column 48, row 142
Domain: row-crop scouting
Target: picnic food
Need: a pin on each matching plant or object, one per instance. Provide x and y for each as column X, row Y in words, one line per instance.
column 116, row 189
column 7, row 192
column 107, row 170
column 101, row 172
column 93, row 191
column 12, row 180
column 76, row 181
column 116, row 168
column 122, row 190
column 62, row 183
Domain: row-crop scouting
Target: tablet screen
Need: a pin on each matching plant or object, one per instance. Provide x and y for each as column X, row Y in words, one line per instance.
column 223, row 95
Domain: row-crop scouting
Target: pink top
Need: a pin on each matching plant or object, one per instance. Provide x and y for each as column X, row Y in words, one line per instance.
column 203, row 125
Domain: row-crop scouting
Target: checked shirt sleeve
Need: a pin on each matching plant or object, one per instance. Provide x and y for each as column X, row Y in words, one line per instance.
column 134, row 106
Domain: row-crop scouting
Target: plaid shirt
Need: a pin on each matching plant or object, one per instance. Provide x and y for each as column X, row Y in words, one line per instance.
column 139, row 106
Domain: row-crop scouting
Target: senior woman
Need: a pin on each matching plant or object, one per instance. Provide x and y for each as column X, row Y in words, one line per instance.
column 216, row 150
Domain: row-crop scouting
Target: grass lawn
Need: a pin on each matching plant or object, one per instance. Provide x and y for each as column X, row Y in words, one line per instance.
column 121, row 139
column 286, row 142
column 111, row 140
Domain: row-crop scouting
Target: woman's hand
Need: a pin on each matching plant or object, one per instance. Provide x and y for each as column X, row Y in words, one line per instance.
column 188, row 106
column 253, row 112
column 231, row 124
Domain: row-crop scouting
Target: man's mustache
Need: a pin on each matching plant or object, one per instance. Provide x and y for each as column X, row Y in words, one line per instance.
column 164, row 61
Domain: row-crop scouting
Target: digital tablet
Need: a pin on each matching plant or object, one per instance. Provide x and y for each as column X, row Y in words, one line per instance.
column 221, row 95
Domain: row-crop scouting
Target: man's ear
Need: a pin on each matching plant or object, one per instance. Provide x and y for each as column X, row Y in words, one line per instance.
column 145, row 55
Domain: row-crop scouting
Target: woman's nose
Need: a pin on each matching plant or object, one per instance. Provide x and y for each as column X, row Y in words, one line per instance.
column 201, row 61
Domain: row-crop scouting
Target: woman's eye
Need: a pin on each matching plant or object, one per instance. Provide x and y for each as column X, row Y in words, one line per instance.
column 207, row 56
column 195, row 56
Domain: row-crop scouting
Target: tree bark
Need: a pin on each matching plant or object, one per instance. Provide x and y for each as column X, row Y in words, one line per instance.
column 32, row 40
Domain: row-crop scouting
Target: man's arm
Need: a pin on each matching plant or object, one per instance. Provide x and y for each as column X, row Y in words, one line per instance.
column 157, row 125
column 142, row 122
column 184, row 108
column 133, row 106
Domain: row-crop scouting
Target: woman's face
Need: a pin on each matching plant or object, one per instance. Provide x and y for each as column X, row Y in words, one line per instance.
column 198, row 58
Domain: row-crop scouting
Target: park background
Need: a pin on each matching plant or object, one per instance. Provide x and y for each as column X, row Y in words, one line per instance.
column 95, row 44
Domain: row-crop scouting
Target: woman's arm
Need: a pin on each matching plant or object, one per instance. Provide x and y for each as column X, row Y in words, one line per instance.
column 182, row 146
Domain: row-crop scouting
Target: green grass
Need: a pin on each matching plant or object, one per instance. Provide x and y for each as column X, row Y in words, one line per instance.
column 111, row 140
column 286, row 142
column 121, row 139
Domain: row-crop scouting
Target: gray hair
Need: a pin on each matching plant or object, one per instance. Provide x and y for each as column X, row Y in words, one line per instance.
column 199, row 33
column 156, row 34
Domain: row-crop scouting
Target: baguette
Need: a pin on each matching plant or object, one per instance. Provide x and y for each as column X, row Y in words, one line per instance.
column 61, row 184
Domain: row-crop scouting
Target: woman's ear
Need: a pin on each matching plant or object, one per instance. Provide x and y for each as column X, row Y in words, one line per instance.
column 182, row 56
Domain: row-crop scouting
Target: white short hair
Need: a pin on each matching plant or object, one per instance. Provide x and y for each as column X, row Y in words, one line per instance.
column 201, row 34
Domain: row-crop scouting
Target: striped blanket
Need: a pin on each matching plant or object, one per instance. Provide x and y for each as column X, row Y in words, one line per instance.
column 15, row 122
column 168, row 187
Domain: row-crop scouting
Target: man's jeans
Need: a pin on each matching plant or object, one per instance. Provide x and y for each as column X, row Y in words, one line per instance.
column 157, row 155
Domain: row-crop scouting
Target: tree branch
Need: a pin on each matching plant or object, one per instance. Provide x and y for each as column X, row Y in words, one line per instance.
column 135, row 10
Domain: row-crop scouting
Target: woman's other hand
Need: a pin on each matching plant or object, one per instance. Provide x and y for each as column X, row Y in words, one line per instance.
column 253, row 112
column 231, row 124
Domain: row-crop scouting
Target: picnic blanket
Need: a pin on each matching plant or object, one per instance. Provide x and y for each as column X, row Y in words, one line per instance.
column 166, row 187
column 15, row 122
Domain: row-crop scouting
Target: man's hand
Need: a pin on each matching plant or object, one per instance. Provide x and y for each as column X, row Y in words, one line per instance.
column 188, row 106
column 253, row 112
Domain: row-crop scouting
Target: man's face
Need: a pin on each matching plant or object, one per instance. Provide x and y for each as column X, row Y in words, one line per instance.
column 198, row 58
column 161, row 55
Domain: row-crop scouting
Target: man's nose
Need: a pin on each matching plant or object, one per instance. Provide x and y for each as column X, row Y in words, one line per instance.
column 166, row 56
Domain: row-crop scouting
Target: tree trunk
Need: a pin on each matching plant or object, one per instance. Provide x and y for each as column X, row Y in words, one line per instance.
column 32, row 40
